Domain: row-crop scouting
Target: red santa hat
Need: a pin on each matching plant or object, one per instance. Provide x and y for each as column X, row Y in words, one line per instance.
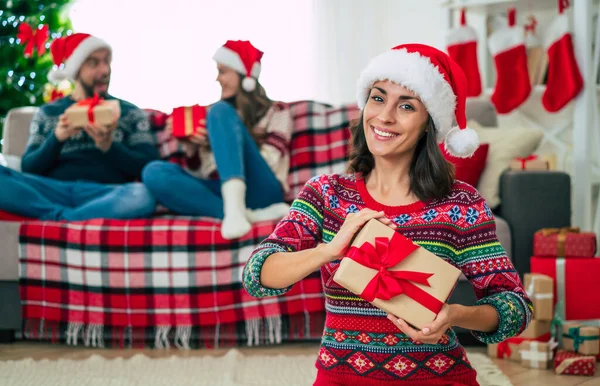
column 71, row 51
column 437, row 80
column 244, row 58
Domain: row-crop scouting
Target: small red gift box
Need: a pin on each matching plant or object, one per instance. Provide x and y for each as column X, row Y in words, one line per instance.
column 533, row 162
column 570, row 363
column 187, row 119
column 576, row 283
column 564, row 242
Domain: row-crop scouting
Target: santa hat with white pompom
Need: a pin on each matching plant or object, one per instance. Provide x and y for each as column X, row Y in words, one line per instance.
column 437, row 80
column 244, row 58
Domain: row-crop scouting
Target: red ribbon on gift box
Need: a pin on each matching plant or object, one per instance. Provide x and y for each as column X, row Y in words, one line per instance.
column 525, row 159
column 33, row 38
column 91, row 103
column 386, row 284
column 503, row 349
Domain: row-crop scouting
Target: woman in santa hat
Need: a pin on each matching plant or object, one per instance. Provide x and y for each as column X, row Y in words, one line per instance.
column 237, row 166
column 410, row 96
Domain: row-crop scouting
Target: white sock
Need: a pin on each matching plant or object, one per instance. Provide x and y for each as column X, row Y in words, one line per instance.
column 271, row 212
column 235, row 224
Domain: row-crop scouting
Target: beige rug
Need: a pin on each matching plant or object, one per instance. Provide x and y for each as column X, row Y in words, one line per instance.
column 233, row 369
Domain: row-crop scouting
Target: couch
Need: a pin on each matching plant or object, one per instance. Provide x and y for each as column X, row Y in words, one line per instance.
column 529, row 201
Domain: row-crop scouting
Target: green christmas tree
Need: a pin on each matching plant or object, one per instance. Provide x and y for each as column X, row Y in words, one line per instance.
column 24, row 67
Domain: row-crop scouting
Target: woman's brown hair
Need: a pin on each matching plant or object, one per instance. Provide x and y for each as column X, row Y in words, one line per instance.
column 431, row 175
column 252, row 106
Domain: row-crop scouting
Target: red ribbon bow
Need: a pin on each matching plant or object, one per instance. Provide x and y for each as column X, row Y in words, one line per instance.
column 525, row 159
column 503, row 349
column 91, row 103
column 532, row 24
column 33, row 38
column 388, row 284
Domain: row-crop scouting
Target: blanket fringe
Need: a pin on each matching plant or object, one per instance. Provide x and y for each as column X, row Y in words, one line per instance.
column 182, row 337
column 73, row 331
column 94, row 336
column 272, row 327
column 161, row 338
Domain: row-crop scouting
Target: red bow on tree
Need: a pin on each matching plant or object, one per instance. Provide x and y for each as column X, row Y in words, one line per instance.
column 387, row 284
column 33, row 38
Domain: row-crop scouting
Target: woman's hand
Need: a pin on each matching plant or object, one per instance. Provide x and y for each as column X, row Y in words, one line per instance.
column 433, row 332
column 336, row 248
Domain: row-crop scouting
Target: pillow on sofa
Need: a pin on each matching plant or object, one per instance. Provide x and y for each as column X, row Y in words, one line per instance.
column 505, row 144
column 468, row 169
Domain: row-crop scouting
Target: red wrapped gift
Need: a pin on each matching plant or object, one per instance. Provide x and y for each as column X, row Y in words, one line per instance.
column 533, row 162
column 187, row 120
column 570, row 363
column 564, row 242
column 576, row 286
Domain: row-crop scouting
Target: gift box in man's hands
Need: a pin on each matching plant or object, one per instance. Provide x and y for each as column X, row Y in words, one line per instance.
column 187, row 120
column 394, row 274
column 101, row 112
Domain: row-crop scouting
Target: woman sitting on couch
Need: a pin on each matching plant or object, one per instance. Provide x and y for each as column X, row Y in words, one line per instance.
column 237, row 167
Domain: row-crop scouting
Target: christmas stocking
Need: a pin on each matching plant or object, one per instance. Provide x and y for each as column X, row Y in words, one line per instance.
column 462, row 48
column 564, row 79
column 507, row 46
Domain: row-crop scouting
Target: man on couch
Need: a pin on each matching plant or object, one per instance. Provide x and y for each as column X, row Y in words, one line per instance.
column 78, row 173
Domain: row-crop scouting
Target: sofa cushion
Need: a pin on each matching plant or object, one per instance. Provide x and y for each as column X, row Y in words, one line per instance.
column 468, row 169
column 504, row 145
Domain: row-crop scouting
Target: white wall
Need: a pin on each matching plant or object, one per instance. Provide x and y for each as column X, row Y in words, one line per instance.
column 356, row 30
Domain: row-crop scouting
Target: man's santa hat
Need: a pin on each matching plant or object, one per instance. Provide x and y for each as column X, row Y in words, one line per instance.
column 437, row 80
column 244, row 58
column 69, row 53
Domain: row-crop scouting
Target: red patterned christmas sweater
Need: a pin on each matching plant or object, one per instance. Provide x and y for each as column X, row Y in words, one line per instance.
column 360, row 346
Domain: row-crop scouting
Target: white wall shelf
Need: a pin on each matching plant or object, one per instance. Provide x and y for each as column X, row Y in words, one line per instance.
column 583, row 147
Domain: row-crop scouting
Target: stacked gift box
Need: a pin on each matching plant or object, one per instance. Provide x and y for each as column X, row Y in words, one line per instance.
column 566, row 256
column 534, row 347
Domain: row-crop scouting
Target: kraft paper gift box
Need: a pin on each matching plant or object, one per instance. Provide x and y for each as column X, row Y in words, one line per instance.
column 536, row 330
column 187, row 119
column 540, row 289
column 509, row 349
column 580, row 339
column 536, row 355
column 533, row 162
column 95, row 110
column 396, row 275
column 571, row 363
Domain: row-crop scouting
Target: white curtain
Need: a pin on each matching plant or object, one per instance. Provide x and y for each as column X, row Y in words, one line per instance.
column 314, row 49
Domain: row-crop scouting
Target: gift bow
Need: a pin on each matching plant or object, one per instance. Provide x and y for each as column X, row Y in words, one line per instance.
column 503, row 348
column 560, row 231
column 532, row 24
column 91, row 103
column 386, row 284
column 562, row 237
column 575, row 334
column 33, row 38
column 524, row 160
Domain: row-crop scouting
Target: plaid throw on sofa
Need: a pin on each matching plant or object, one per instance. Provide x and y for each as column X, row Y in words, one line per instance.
column 172, row 280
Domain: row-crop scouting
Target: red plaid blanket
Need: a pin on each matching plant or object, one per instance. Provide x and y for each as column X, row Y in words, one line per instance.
column 173, row 280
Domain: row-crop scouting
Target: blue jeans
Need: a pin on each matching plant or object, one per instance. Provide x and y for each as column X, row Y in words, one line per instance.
column 49, row 199
column 236, row 155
